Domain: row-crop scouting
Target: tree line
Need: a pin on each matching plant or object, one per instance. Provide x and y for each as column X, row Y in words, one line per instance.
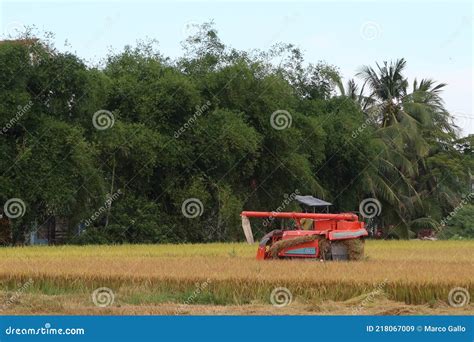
column 150, row 149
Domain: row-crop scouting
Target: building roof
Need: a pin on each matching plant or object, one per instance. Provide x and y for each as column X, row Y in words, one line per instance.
column 312, row 201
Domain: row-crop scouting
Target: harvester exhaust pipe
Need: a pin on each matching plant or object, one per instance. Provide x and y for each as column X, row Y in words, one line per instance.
column 247, row 229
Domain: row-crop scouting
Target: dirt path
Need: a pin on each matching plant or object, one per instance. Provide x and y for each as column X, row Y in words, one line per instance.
column 36, row 304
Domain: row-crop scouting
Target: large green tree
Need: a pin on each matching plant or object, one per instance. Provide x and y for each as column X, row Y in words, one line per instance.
column 224, row 129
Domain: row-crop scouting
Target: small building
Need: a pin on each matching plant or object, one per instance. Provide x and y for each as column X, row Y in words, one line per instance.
column 52, row 232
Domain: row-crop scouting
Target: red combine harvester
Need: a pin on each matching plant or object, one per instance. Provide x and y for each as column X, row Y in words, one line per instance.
column 321, row 236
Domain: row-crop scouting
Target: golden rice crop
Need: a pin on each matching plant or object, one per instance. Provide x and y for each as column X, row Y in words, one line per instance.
column 413, row 272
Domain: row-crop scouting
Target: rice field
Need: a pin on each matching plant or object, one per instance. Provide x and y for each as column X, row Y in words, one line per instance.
column 395, row 277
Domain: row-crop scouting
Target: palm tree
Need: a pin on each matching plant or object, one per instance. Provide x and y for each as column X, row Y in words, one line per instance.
column 408, row 126
column 355, row 93
column 387, row 89
column 407, row 111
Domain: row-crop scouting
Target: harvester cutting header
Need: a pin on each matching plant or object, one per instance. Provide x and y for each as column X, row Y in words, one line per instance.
column 315, row 235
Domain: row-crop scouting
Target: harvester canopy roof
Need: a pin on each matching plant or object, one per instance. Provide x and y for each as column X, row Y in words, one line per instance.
column 311, row 201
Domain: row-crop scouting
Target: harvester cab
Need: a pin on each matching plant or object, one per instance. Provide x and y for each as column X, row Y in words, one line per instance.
column 317, row 235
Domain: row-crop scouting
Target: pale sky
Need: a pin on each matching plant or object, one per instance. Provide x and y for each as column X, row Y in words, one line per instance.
column 435, row 38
